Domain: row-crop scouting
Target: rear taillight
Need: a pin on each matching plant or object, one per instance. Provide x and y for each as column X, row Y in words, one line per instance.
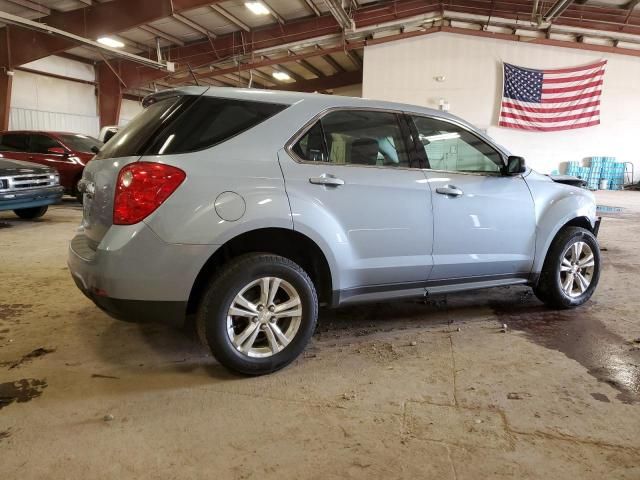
column 141, row 188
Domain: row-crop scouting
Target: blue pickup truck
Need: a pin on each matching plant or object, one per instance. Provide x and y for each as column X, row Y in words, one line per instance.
column 28, row 188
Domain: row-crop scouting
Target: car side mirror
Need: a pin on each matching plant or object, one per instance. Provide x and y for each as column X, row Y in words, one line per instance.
column 515, row 166
column 57, row 150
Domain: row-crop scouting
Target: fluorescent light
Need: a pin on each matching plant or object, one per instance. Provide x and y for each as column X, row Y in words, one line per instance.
column 110, row 42
column 257, row 8
column 281, row 76
column 441, row 136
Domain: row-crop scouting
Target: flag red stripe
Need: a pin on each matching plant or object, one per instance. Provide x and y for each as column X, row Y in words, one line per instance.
column 576, row 69
column 564, row 118
column 549, row 129
column 583, row 86
column 552, row 109
column 571, row 99
column 577, row 78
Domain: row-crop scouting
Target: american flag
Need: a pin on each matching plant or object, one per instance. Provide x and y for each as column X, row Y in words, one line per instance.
column 551, row 100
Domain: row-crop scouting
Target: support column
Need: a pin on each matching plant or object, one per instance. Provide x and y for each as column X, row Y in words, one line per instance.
column 5, row 99
column 109, row 94
column 6, row 78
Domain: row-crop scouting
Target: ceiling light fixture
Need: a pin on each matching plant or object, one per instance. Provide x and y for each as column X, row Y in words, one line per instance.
column 110, row 42
column 281, row 76
column 257, row 8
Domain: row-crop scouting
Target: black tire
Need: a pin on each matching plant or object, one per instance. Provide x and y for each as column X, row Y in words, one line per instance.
column 212, row 315
column 549, row 288
column 31, row 213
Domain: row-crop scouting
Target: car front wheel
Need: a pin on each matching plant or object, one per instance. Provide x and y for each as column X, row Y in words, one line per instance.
column 571, row 270
column 258, row 314
column 31, row 213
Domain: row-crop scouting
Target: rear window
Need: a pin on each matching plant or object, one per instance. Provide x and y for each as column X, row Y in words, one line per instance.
column 210, row 121
column 186, row 124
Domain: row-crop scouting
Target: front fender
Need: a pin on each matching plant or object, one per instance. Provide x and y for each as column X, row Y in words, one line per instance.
column 556, row 205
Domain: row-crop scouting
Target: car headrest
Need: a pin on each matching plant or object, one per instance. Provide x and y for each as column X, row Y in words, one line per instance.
column 364, row 151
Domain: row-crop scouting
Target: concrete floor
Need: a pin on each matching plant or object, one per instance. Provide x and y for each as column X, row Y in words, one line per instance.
column 556, row 396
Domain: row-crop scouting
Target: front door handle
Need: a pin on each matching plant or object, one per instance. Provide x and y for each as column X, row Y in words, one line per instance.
column 327, row 180
column 449, row 190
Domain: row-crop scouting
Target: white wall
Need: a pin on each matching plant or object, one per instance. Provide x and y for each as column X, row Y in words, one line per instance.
column 45, row 103
column 128, row 110
column 404, row 71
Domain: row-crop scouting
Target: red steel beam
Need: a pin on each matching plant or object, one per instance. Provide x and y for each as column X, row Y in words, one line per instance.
column 109, row 94
column 92, row 22
column 6, row 80
column 226, row 46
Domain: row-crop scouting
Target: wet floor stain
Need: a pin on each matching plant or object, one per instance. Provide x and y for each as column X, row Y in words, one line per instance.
column 38, row 352
column 9, row 311
column 601, row 397
column 21, row 391
column 580, row 336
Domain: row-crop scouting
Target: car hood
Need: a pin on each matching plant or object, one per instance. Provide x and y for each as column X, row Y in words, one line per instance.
column 10, row 166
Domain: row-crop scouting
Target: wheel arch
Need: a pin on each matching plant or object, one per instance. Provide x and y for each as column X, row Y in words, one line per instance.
column 582, row 221
column 279, row 241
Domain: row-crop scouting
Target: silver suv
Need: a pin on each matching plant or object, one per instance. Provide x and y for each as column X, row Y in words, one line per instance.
column 249, row 209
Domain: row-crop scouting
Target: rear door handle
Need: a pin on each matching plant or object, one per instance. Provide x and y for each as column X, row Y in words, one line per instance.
column 449, row 190
column 327, row 179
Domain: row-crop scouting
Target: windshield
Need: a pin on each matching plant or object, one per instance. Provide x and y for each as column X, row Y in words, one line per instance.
column 80, row 143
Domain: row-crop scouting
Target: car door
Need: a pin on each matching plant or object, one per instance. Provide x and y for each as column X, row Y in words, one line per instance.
column 355, row 189
column 14, row 145
column 484, row 221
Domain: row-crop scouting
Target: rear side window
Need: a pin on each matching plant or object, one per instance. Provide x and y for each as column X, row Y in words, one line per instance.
column 14, row 142
column 355, row 137
column 132, row 139
column 210, row 121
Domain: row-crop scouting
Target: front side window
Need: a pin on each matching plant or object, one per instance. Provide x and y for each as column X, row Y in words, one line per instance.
column 14, row 142
column 355, row 137
column 452, row 148
column 42, row 143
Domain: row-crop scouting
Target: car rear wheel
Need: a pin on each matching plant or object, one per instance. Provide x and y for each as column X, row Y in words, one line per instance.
column 571, row 270
column 31, row 213
column 258, row 314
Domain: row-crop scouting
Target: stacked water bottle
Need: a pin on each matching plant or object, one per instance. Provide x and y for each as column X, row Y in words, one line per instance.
column 603, row 173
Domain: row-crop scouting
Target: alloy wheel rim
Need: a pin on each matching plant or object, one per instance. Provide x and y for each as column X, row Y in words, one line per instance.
column 576, row 269
column 264, row 317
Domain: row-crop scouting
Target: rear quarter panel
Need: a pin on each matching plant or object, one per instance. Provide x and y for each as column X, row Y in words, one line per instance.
column 246, row 165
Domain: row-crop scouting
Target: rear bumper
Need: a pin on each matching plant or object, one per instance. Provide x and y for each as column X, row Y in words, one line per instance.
column 31, row 198
column 138, row 311
column 133, row 275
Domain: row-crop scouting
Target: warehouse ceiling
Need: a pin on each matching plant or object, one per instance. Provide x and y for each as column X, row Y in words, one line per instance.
column 312, row 45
